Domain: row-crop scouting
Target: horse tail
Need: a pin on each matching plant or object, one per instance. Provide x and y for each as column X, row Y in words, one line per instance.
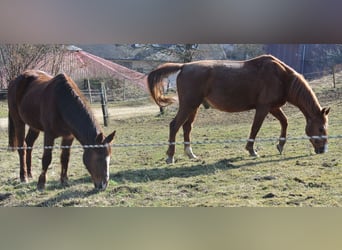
column 156, row 85
column 12, row 138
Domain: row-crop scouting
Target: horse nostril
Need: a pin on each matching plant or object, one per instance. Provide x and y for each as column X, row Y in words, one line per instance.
column 104, row 185
column 101, row 186
column 320, row 150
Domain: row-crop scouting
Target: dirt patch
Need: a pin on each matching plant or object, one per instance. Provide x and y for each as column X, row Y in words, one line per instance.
column 117, row 113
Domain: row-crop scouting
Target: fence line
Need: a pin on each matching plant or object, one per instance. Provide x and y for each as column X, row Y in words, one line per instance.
column 157, row 144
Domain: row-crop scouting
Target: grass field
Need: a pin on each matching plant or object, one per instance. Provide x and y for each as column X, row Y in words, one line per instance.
column 223, row 174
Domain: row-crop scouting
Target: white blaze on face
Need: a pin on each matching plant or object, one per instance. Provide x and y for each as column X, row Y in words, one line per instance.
column 107, row 162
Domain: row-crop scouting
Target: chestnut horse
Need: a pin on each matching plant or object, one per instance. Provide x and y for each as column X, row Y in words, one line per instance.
column 57, row 107
column 263, row 83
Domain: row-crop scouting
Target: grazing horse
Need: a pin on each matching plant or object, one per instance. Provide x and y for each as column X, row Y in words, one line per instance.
column 56, row 106
column 263, row 83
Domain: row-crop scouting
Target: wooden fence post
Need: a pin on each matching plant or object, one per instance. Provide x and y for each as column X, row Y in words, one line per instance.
column 333, row 71
column 124, row 90
column 87, row 86
column 104, row 104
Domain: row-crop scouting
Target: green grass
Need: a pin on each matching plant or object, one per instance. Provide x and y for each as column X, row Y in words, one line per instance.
column 3, row 109
column 223, row 174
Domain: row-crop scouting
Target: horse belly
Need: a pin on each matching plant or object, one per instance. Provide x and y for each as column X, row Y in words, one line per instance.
column 30, row 117
column 230, row 102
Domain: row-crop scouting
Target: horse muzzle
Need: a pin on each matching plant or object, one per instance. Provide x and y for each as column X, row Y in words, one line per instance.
column 101, row 186
column 322, row 150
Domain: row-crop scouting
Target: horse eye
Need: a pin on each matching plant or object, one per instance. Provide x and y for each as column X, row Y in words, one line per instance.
column 321, row 130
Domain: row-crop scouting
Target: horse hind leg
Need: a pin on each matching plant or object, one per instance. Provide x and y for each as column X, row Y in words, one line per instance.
column 281, row 117
column 176, row 123
column 174, row 127
column 187, row 126
column 31, row 137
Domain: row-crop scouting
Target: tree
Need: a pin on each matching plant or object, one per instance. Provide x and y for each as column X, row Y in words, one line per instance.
column 186, row 51
column 244, row 51
column 336, row 54
column 320, row 59
column 16, row 58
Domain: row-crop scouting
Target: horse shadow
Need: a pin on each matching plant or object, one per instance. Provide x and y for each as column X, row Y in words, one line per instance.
column 163, row 173
column 69, row 196
column 66, row 196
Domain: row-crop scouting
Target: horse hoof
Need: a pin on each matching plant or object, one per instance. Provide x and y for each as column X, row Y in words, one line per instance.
column 191, row 156
column 189, row 153
column 253, row 154
column 65, row 182
column 170, row 160
column 280, row 149
column 24, row 179
column 41, row 182
column 41, row 187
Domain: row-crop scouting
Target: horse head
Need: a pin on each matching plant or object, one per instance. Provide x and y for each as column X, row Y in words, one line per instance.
column 96, row 160
column 317, row 130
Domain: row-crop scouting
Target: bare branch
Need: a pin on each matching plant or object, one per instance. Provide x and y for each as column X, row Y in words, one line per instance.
column 16, row 58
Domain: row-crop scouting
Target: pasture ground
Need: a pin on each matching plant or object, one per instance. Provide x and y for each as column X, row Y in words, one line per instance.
column 223, row 174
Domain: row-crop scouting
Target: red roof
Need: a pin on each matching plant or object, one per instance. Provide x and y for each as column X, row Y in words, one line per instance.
column 81, row 65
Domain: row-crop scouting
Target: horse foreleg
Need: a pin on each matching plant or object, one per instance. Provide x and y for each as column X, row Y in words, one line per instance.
column 65, row 155
column 31, row 137
column 279, row 114
column 47, row 157
column 260, row 114
column 187, row 126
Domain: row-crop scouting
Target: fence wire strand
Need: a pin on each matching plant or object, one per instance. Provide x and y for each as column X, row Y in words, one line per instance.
column 158, row 144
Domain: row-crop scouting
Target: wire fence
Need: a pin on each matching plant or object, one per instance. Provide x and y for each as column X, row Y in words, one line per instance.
column 157, row 144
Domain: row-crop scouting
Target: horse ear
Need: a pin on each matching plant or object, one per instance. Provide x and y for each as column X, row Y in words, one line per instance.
column 99, row 138
column 325, row 111
column 109, row 138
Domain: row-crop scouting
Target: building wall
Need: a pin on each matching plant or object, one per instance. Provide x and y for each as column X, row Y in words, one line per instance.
column 291, row 54
column 311, row 60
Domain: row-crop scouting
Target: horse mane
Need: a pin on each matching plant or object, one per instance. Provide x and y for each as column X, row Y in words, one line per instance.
column 74, row 109
column 301, row 94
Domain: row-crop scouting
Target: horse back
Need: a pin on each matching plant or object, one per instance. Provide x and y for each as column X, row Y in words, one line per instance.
column 26, row 95
column 235, row 86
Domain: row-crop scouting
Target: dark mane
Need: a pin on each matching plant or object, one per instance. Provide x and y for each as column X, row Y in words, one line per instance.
column 74, row 109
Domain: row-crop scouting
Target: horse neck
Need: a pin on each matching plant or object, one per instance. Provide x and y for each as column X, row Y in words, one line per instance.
column 301, row 95
column 85, row 127
column 87, row 134
column 77, row 115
